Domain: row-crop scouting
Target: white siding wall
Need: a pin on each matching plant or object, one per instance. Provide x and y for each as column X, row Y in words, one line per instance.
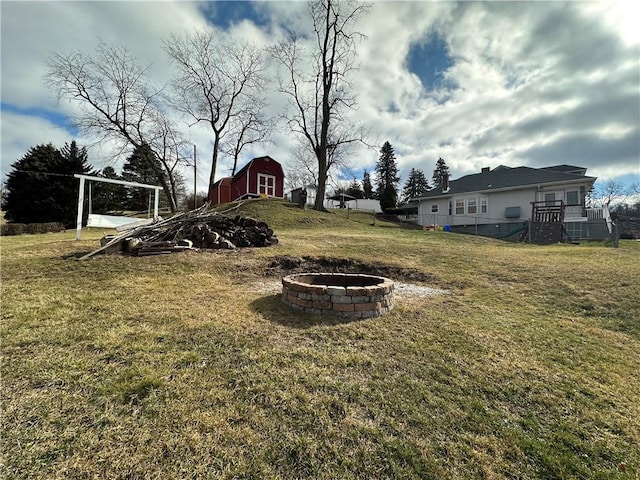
column 497, row 202
column 426, row 215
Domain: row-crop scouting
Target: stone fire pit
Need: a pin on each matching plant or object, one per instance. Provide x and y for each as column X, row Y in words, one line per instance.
column 340, row 294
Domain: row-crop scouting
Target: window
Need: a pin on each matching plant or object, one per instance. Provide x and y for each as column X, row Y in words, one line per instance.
column 266, row 185
column 460, row 207
column 450, row 207
column 572, row 197
column 472, row 206
column 549, row 199
column 434, row 208
column 484, row 205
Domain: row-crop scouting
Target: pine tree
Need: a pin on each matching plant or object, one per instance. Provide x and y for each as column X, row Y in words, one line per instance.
column 355, row 190
column 441, row 170
column 388, row 198
column 108, row 197
column 367, row 188
column 415, row 186
column 41, row 187
column 388, row 177
column 142, row 166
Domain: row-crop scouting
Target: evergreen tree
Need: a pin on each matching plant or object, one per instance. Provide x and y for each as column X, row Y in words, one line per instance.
column 441, row 170
column 355, row 190
column 142, row 166
column 367, row 188
column 41, row 187
column 415, row 186
column 388, row 178
column 108, row 197
column 388, row 197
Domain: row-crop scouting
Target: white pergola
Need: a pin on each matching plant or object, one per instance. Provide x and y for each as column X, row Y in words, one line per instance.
column 118, row 182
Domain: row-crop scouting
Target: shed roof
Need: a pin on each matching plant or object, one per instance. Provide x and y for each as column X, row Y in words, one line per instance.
column 248, row 165
column 222, row 180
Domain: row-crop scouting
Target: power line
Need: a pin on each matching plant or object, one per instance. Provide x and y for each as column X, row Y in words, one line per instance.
column 45, row 173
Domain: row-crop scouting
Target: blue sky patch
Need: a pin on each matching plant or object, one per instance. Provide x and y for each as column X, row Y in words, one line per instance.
column 429, row 60
column 54, row 117
column 226, row 13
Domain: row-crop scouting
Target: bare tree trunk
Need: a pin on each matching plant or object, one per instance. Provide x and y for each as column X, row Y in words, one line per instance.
column 318, row 99
column 214, row 162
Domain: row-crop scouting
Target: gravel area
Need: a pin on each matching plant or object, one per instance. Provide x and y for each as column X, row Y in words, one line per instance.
column 401, row 290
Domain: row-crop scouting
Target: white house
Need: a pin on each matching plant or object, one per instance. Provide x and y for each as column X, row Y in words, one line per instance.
column 499, row 201
column 355, row 204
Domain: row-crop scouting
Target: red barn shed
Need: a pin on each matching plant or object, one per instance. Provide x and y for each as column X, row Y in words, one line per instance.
column 220, row 191
column 261, row 176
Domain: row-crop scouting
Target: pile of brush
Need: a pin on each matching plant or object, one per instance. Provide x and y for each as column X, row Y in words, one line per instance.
column 195, row 229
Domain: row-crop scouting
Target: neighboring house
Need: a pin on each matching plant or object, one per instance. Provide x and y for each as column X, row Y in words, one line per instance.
column 498, row 202
column 367, row 204
column 356, row 204
column 262, row 176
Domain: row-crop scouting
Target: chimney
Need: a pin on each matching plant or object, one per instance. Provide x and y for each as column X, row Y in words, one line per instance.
column 485, row 169
column 445, row 183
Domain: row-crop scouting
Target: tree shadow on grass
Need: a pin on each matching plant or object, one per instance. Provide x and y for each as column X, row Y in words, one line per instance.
column 274, row 310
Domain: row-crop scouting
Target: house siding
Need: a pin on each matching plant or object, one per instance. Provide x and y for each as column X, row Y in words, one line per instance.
column 497, row 203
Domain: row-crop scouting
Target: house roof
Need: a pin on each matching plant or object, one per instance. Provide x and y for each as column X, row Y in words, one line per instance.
column 248, row 165
column 567, row 169
column 507, row 177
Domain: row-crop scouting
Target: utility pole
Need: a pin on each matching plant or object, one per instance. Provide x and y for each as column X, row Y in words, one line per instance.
column 195, row 177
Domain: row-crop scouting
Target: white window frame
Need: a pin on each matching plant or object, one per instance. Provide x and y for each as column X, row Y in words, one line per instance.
column 459, row 206
column 472, row 202
column 263, row 181
column 577, row 193
column 484, row 205
column 435, row 208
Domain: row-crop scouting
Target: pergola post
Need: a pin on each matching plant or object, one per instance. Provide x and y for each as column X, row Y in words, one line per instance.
column 156, row 204
column 117, row 182
column 80, row 205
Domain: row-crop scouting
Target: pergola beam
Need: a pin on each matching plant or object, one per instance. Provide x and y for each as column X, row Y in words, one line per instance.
column 82, row 178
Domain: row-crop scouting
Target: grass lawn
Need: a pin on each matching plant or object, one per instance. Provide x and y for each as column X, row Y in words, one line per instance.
column 189, row 365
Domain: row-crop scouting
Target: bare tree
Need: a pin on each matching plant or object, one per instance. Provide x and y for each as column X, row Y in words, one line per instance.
column 320, row 96
column 219, row 83
column 612, row 192
column 303, row 171
column 118, row 103
column 253, row 126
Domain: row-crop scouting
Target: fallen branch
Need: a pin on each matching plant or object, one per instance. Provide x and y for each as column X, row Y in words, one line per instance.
column 195, row 229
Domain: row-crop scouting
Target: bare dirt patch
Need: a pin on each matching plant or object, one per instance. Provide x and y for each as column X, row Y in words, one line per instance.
column 403, row 277
column 286, row 265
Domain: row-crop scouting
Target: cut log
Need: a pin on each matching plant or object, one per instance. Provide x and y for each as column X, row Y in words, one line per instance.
column 195, row 229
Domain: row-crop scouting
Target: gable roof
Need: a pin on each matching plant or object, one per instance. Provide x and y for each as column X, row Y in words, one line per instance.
column 506, row 177
column 567, row 169
column 248, row 165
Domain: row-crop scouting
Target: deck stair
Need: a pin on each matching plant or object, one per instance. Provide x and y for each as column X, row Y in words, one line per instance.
column 547, row 222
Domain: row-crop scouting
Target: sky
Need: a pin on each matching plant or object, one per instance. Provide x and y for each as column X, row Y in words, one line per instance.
column 479, row 84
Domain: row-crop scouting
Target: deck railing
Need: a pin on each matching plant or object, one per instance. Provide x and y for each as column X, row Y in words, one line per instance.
column 600, row 213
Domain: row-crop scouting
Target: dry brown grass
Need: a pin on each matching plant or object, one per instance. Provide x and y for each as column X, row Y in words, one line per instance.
column 181, row 366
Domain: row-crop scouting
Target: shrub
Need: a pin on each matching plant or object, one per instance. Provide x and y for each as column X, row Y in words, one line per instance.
column 9, row 229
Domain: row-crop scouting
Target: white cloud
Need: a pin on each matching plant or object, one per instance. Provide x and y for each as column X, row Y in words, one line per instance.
column 530, row 81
